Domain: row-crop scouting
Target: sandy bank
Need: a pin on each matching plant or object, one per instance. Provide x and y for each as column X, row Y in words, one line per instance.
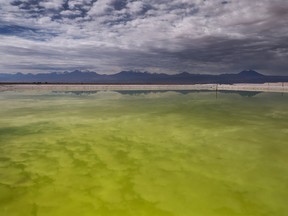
column 266, row 87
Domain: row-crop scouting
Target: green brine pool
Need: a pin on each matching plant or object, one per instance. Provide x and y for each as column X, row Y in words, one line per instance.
column 143, row 153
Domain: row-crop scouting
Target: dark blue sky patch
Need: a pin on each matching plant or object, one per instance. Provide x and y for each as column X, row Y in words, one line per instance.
column 119, row 4
column 26, row 32
column 15, row 30
column 26, row 5
column 33, row 9
column 16, row 2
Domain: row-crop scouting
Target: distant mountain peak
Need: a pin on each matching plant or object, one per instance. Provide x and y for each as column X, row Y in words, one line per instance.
column 76, row 72
column 184, row 74
column 138, row 77
column 250, row 72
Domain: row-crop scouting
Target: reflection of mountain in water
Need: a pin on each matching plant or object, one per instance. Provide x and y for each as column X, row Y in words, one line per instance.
column 76, row 92
column 242, row 93
column 147, row 92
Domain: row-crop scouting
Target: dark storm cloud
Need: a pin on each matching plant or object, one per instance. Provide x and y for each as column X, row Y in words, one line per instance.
column 153, row 35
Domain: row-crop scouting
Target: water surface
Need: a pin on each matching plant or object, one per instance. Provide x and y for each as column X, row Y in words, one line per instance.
column 143, row 154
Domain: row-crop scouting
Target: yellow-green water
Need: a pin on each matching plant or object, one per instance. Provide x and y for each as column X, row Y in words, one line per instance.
column 143, row 154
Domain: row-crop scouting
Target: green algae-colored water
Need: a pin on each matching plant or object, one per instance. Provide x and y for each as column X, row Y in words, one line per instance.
column 143, row 154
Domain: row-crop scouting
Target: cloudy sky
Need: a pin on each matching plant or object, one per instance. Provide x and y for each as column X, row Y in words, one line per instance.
column 107, row 36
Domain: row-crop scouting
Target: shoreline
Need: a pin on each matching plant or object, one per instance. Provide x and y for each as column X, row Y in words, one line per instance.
column 265, row 87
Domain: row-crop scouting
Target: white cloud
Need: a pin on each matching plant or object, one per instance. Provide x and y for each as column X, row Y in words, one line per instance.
column 136, row 6
column 52, row 4
column 171, row 35
column 101, row 7
column 70, row 12
column 74, row 3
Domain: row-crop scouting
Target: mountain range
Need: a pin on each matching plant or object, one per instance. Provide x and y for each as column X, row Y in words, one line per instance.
column 134, row 77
